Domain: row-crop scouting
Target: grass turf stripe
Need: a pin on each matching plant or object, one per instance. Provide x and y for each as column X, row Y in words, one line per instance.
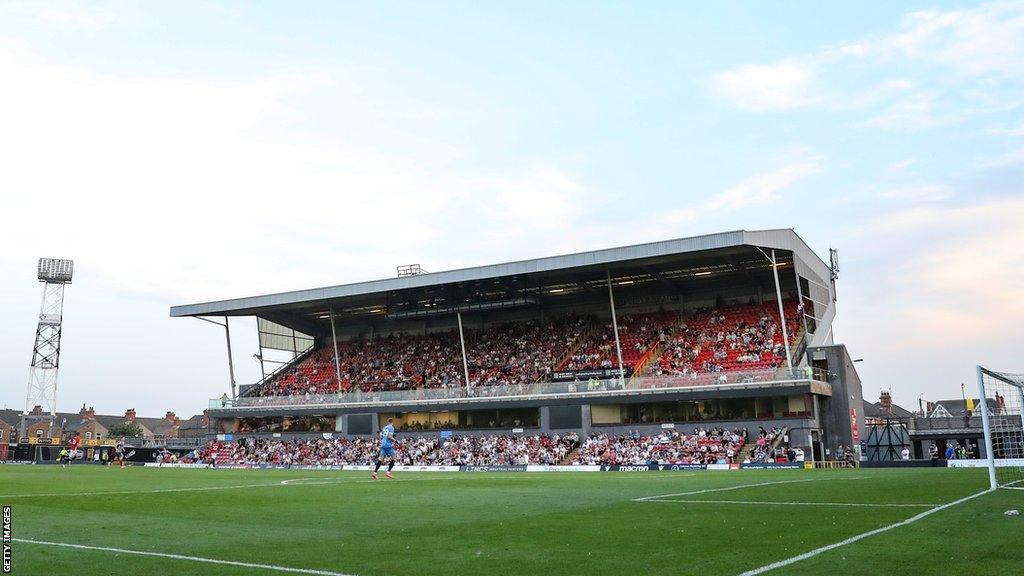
column 858, row 537
column 271, row 567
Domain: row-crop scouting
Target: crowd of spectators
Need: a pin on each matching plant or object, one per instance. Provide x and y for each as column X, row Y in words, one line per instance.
column 481, row 450
column 521, row 352
column 727, row 339
column 518, row 354
column 493, row 450
column 704, row 446
column 638, row 334
column 393, row 362
column 503, row 354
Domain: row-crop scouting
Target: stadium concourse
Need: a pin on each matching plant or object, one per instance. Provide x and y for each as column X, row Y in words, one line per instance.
column 728, row 331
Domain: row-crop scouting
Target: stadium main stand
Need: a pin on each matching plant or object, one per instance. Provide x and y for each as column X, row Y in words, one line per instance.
column 529, row 347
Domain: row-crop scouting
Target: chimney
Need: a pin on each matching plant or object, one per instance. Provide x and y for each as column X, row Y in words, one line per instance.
column 37, row 410
column 206, row 418
column 87, row 413
column 886, row 401
column 171, row 417
column 129, row 414
column 930, row 406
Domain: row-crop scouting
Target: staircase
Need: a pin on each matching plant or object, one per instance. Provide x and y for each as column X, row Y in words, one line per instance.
column 582, row 339
column 746, row 451
column 748, row 448
column 778, row 438
column 799, row 346
column 652, row 355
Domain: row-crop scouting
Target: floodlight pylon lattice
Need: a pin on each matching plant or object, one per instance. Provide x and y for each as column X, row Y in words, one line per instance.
column 55, row 274
column 1002, row 409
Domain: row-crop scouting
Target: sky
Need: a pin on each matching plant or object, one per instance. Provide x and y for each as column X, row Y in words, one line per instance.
column 193, row 151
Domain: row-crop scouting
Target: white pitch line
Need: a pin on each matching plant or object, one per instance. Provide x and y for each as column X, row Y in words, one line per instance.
column 739, row 486
column 155, row 491
column 350, row 480
column 272, row 567
column 193, row 489
column 202, row 488
column 853, row 504
column 517, row 476
column 355, row 480
column 858, row 537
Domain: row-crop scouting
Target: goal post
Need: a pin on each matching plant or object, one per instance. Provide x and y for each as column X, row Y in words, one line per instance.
column 1001, row 402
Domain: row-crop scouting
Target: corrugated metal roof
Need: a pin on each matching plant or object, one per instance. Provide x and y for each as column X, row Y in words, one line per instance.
column 784, row 239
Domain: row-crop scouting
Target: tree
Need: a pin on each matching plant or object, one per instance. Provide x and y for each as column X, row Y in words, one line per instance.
column 130, row 429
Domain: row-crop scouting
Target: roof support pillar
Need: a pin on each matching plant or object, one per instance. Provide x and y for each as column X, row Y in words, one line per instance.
column 462, row 344
column 615, row 326
column 259, row 355
column 334, row 343
column 801, row 308
column 778, row 298
column 231, row 362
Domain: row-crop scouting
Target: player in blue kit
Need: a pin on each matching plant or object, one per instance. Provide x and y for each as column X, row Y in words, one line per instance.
column 387, row 449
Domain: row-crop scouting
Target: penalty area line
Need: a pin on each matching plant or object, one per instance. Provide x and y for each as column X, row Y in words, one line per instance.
column 740, row 486
column 271, row 567
column 858, row 537
column 153, row 491
column 769, row 503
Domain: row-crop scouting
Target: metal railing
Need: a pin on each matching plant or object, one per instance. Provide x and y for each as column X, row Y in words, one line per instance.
column 298, row 359
column 964, row 423
column 578, row 387
column 143, row 442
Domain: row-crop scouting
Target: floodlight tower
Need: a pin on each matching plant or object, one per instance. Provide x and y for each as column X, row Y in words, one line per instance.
column 42, row 378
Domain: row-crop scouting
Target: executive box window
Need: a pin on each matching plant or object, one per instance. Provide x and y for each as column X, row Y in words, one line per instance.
column 280, row 424
column 797, row 406
column 463, row 419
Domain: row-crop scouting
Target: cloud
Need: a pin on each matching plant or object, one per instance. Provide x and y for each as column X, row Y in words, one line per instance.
column 1011, row 158
column 902, row 164
column 759, row 190
column 759, row 88
column 967, row 280
column 985, row 40
column 915, row 112
column 1017, row 130
column 924, row 193
column 935, row 289
column 196, row 189
column 73, row 18
column 954, row 61
column 762, row 188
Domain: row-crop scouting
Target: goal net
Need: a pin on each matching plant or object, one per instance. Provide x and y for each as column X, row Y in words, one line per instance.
column 1002, row 411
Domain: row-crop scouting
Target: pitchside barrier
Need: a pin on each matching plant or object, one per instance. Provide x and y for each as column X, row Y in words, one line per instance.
column 506, row 468
column 45, row 454
column 1012, row 462
column 998, row 462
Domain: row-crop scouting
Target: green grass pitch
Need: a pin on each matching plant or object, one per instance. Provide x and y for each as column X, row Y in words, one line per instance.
column 506, row 523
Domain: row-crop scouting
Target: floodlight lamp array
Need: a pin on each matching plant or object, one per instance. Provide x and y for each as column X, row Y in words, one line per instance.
column 55, row 270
